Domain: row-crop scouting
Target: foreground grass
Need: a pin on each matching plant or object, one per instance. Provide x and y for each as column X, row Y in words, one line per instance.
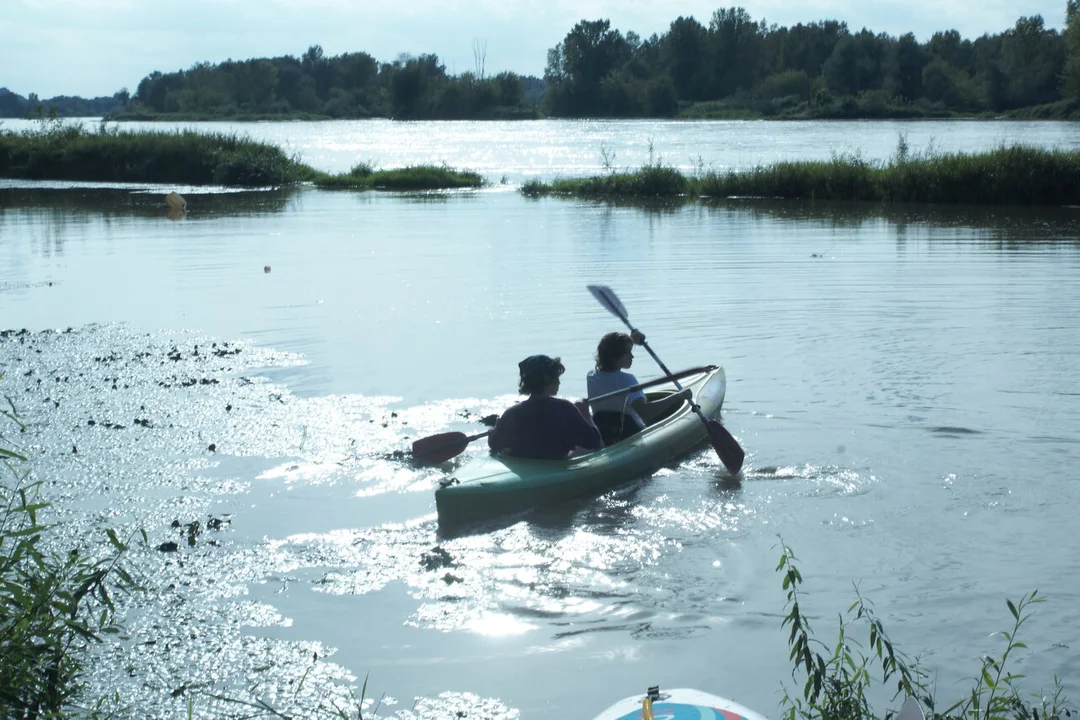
column 53, row 604
column 60, row 151
column 1005, row 176
column 837, row 680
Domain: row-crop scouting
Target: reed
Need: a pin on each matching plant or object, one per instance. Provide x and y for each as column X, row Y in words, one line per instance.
column 1015, row 175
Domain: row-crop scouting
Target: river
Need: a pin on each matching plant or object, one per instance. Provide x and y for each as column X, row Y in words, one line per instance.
column 900, row 377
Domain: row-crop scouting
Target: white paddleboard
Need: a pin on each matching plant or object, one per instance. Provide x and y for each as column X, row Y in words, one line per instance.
column 910, row 710
column 679, row 704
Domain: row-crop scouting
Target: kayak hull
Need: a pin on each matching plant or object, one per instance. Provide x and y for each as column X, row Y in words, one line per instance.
column 494, row 485
column 680, row 704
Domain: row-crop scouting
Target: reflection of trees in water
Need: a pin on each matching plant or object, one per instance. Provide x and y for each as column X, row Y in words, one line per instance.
column 50, row 216
column 57, row 204
column 1013, row 226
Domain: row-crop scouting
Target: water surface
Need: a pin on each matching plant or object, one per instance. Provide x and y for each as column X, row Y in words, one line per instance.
column 901, row 379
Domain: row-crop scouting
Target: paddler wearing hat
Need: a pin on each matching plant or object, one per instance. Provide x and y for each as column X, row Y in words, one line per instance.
column 543, row 427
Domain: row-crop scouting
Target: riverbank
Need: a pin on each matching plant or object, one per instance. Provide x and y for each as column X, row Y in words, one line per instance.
column 60, row 151
column 871, row 105
column 500, row 113
column 1006, row 176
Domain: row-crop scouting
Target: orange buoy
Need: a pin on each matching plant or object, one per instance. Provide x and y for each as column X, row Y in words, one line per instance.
column 175, row 201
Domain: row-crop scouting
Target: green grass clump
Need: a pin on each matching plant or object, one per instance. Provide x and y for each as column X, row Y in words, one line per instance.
column 417, row 177
column 653, row 180
column 59, row 151
column 65, row 151
column 1015, row 175
column 1004, row 176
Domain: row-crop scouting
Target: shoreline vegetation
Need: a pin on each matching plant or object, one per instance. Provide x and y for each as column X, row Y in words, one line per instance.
column 1008, row 175
column 865, row 106
column 730, row 66
column 67, row 151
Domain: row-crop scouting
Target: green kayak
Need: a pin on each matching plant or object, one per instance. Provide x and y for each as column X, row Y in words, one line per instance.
column 494, row 485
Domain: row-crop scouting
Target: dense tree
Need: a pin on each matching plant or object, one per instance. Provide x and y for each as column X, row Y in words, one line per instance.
column 857, row 64
column 904, row 68
column 683, row 58
column 1070, row 76
column 734, row 45
column 588, row 54
column 1032, row 59
column 413, row 83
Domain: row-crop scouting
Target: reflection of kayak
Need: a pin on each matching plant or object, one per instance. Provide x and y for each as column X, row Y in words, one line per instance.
column 678, row 704
column 493, row 485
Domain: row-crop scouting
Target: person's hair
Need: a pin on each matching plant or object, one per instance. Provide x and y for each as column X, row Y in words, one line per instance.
column 612, row 347
column 536, row 372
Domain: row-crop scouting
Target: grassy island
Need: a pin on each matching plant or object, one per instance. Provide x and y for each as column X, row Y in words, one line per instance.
column 1005, row 176
column 59, row 151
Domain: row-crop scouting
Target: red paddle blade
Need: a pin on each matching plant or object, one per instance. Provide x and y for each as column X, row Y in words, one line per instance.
column 440, row 448
column 726, row 446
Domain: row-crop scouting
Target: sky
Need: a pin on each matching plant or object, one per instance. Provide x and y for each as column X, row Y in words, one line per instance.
column 96, row 47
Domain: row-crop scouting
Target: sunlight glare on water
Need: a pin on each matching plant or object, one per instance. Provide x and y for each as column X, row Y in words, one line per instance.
column 900, row 377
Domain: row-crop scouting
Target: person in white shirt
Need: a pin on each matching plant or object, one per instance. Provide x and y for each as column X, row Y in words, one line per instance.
column 621, row 417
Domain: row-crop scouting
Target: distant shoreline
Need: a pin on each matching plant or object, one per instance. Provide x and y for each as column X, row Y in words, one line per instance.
column 1060, row 111
column 1014, row 175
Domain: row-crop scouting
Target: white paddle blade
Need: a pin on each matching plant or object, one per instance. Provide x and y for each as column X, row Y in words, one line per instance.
column 607, row 297
column 910, row 710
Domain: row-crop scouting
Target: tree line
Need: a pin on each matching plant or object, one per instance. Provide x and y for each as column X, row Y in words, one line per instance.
column 731, row 64
column 350, row 85
column 13, row 105
column 735, row 61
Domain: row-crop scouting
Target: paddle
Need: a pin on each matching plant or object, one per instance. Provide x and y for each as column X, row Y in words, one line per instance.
column 439, row 448
column 725, row 445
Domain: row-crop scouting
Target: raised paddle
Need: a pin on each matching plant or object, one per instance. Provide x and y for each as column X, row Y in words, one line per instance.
column 439, row 448
column 722, row 441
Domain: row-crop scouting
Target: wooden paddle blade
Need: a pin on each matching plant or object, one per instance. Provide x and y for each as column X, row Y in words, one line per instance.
column 440, row 448
column 726, row 446
column 607, row 297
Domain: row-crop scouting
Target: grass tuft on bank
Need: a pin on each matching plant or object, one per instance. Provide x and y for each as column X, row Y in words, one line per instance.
column 1014, row 175
column 71, row 151
column 416, row 177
